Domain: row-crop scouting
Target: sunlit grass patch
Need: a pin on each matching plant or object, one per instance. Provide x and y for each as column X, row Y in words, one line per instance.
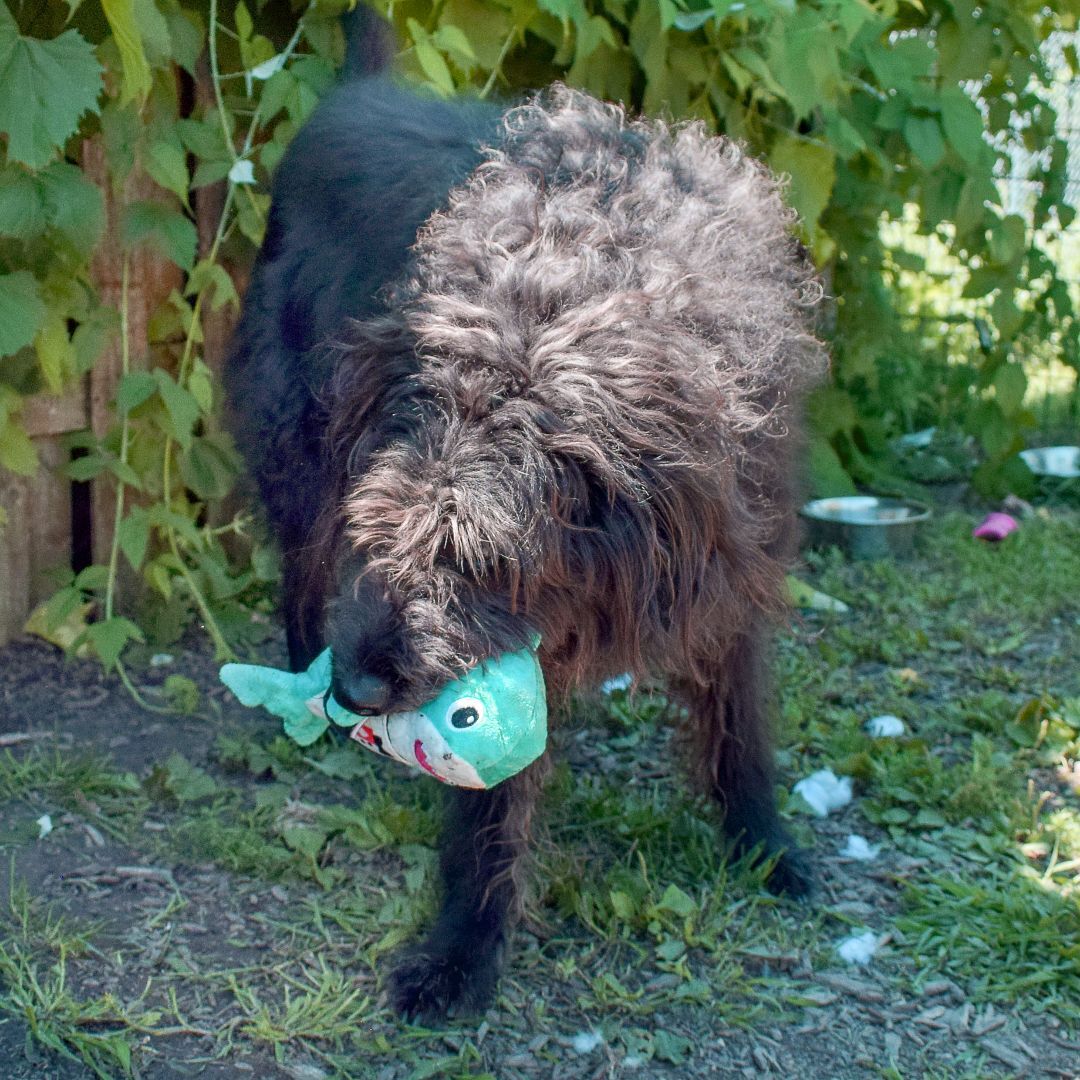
column 1008, row 935
column 317, row 1006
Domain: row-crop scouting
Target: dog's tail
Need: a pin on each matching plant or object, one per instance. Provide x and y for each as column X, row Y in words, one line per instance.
column 369, row 43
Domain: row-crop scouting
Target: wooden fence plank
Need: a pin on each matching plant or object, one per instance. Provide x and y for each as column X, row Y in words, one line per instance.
column 150, row 281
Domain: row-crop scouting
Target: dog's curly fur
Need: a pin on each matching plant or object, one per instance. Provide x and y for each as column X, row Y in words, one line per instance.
column 572, row 410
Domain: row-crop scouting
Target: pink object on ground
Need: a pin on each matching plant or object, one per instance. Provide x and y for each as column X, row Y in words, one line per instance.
column 995, row 526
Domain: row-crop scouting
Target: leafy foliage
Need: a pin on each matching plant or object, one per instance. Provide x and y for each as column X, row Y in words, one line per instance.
column 897, row 114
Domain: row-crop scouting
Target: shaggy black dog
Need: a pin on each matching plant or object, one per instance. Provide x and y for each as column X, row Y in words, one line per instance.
column 537, row 370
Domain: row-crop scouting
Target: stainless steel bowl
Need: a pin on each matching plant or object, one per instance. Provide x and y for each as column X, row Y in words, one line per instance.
column 1061, row 462
column 865, row 526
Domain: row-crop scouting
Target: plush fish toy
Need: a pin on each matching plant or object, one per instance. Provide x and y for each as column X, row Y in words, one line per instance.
column 479, row 730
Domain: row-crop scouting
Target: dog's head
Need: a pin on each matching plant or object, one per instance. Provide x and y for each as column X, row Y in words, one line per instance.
column 431, row 579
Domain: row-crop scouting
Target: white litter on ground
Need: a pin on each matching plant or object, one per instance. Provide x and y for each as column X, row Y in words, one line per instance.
column 44, row 824
column 586, row 1042
column 161, row 659
column 858, row 948
column 857, row 847
column 620, row 682
column 886, row 726
column 824, row 791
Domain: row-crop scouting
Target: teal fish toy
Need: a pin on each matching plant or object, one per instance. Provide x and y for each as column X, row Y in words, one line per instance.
column 479, row 730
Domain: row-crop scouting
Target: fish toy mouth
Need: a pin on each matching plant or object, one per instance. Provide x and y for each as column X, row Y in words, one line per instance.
column 408, row 737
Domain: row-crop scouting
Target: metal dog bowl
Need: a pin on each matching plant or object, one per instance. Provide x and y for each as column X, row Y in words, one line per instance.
column 865, row 526
column 1060, row 462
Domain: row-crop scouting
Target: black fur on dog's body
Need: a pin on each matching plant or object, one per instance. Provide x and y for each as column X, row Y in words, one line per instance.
column 533, row 371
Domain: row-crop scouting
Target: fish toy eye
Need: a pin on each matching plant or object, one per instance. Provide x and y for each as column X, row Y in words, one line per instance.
column 465, row 713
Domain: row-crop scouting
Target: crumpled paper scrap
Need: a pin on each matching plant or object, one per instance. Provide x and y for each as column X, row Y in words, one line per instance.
column 858, row 948
column 824, row 791
column 858, row 847
column 885, row 726
column 585, row 1042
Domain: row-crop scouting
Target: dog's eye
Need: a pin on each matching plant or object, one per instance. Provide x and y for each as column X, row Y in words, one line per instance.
column 465, row 712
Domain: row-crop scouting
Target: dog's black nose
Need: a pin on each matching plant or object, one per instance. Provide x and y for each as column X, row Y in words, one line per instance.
column 365, row 695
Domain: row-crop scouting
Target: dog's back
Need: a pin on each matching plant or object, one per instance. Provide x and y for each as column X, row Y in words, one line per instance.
column 367, row 169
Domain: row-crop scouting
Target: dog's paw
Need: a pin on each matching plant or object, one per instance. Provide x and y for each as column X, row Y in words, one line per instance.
column 429, row 984
column 791, row 875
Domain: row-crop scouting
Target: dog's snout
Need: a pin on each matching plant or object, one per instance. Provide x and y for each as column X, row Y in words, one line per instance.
column 365, row 695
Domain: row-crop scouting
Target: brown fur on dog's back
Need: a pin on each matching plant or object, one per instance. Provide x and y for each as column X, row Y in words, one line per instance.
column 583, row 401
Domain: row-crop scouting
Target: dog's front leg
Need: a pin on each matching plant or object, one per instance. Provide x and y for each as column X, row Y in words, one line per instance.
column 455, row 969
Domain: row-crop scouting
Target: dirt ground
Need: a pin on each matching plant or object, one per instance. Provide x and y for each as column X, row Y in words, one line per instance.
column 222, row 964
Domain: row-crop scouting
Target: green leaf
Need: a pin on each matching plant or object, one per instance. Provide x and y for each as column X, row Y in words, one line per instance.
column 898, row 64
column 670, row 1047
column 109, row 638
column 187, row 782
column 22, row 311
column 812, row 168
column 1010, row 386
column 17, row 451
column 623, row 905
column 166, row 163
column 802, row 53
column 185, row 36
column 45, row 88
column 181, row 694
column 92, row 578
column 755, row 63
column 124, row 472
column 122, row 131
column 207, row 470
column 452, row 40
column 802, row 595
column 163, row 517
column 182, row 408
column 677, row 902
column 135, row 388
column 566, row 10
column 831, row 410
column 923, row 135
column 827, row 473
column 60, row 605
column 56, row 356
column 200, row 383
column 128, row 37
column 22, row 209
column 306, row 840
column 431, row 60
column 1008, row 240
column 73, row 205
column 85, row 468
column 212, row 275
column 963, row 125
column 169, row 231
column 133, row 536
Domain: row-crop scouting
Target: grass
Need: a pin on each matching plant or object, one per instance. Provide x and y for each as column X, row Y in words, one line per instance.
column 638, row 928
column 35, row 950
